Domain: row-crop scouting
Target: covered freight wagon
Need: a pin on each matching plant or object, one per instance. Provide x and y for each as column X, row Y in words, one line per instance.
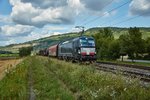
column 53, row 50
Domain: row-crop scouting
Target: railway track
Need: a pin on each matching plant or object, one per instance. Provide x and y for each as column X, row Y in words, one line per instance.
column 141, row 72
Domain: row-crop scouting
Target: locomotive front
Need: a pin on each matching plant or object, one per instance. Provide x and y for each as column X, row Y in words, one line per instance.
column 86, row 50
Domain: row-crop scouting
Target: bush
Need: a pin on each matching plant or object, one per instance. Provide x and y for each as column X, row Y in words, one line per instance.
column 25, row 51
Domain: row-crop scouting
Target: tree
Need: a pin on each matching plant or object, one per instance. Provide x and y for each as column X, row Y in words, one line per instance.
column 25, row 51
column 103, row 38
column 126, row 46
column 137, row 41
column 107, row 33
column 148, row 45
column 132, row 43
column 114, row 50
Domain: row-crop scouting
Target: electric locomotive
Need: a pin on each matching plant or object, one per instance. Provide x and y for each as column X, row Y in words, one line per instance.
column 78, row 49
column 86, row 49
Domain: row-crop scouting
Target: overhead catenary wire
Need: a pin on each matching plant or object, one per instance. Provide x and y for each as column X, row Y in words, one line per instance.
column 126, row 20
column 111, row 20
column 102, row 8
column 106, row 13
column 123, row 20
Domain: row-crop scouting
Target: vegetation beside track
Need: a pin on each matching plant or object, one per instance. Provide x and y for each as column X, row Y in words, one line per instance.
column 9, row 55
column 55, row 79
column 89, row 83
column 45, row 83
column 14, row 84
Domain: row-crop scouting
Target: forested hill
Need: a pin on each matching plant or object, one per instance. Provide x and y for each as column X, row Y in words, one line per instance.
column 119, row 31
column 47, row 41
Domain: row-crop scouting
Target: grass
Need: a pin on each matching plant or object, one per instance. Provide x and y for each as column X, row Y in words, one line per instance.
column 59, row 80
column 91, row 84
column 14, row 84
column 9, row 55
column 46, row 84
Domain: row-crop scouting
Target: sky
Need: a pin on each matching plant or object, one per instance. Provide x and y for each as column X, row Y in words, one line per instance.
column 26, row 20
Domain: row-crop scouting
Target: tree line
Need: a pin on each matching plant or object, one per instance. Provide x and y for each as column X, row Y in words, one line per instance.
column 131, row 44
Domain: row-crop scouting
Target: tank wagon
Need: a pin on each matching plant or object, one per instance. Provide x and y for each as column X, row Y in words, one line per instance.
column 77, row 49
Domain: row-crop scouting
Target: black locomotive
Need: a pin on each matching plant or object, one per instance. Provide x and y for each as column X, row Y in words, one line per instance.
column 78, row 49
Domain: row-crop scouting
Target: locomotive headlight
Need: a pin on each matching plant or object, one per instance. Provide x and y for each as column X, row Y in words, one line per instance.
column 79, row 52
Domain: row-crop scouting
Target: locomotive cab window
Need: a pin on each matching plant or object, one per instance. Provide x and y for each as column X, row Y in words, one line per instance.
column 91, row 42
column 87, row 42
column 83, row 42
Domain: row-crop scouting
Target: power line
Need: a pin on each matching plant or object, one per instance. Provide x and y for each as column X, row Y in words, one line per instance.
column 112, row 20
column 126, row 20
column 102, row 8
column 108, row 12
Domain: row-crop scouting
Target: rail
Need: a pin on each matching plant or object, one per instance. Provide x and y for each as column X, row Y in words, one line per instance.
column 136, row 71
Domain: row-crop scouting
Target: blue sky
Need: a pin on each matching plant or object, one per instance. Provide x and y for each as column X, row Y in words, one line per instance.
column 5, row 7
column 25, row 20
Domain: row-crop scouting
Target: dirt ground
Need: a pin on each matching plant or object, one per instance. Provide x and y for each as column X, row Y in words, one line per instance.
column 7, row 65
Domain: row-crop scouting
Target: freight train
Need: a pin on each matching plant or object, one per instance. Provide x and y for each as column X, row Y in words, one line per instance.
column 78, row 49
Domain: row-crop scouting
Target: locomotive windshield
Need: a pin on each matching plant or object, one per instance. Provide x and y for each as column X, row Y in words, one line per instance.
column 91, row 42
column 83, row 42
column 87, row 42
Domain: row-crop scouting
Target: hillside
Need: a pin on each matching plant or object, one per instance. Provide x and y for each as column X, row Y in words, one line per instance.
column 119, row 31
column 47, row 41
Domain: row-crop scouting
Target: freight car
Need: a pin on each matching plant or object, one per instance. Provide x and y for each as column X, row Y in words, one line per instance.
column 77, row 49
column 43, row 52
column 53, row 51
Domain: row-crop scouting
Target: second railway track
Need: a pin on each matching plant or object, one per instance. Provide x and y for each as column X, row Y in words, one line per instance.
column 141, row 72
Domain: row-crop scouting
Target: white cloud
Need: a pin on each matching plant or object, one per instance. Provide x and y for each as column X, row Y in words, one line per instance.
column 46, row 3
column 76, row 5
column 42, row 32
column 10, row 41
column 23, row 13
column 42, row 12
column 95, row 5
column 7, row 41
column 15, row 30
column 61, row 15
column 140, row 7
column 56, row 33
column 35, row 35
column 5, row 19
column 14, row 2
column 26, row 13
column 54, row 28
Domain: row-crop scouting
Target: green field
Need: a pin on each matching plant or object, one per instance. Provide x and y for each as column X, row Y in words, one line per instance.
column 9, row 55
column 53, row 79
